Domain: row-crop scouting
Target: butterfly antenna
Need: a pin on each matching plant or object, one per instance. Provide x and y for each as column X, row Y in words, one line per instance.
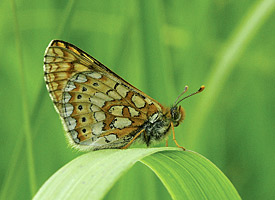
column 184, row 91
column 199, row 91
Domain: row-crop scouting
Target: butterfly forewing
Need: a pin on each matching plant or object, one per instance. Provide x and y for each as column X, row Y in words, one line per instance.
column 98, row 108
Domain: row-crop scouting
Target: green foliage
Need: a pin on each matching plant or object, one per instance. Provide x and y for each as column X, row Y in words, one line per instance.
column 186, row 175
column 158, row 46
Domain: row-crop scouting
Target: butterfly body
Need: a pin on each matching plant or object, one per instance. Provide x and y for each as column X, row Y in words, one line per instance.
column 99, row 109
column 159, row 125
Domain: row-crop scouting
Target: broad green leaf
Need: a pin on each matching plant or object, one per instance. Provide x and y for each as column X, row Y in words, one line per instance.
column 188, row 175
column 184, row 174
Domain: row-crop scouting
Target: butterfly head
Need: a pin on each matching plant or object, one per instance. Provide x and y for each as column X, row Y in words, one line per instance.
column 177, row 112
column 177, row 115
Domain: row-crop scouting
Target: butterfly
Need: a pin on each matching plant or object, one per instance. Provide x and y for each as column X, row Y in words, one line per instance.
column 98, row 108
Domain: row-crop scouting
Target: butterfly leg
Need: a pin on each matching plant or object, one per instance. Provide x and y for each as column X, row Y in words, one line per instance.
column 132, row 140
column 166, row 142
column 174, row 137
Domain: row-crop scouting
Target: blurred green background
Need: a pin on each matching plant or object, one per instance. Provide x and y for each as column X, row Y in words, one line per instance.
column 159, row 47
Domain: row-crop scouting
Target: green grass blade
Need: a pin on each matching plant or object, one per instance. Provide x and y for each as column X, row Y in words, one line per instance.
column 17, row 152
column 232, row 51
column 25, row 104
column 188, row 175
column 157, row 61
column 184, row 174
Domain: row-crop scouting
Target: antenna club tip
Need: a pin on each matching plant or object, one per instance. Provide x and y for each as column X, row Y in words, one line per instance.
column 201, row 88
column 186, row 88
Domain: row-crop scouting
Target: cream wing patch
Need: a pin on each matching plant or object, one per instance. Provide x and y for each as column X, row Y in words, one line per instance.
column 138, row 101
column 120, row 122
column 103, row 96
column 101, row 141
column 113, row 94
column 99, row 116
column 66, row 97
column 95, row 75
column 122, row 90
column 70, row 86
column 133, row 112
column 116, row 110
column 67, row 110
column 79, row 78
column 70, row 123
column 110, row 138
column 94, row 108
column 97, row 101
column 74, row 135
column 97, row 128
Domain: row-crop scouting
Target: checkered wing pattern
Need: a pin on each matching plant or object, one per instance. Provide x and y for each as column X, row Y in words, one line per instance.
column 98, row 108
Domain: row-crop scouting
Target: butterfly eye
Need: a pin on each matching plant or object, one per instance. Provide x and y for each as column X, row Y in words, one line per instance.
column 175, row 113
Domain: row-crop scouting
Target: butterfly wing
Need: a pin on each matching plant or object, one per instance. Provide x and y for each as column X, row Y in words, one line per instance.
column 98, row 108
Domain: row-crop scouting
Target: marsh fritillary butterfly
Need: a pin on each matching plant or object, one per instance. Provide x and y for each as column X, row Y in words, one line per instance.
column 99, row 109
